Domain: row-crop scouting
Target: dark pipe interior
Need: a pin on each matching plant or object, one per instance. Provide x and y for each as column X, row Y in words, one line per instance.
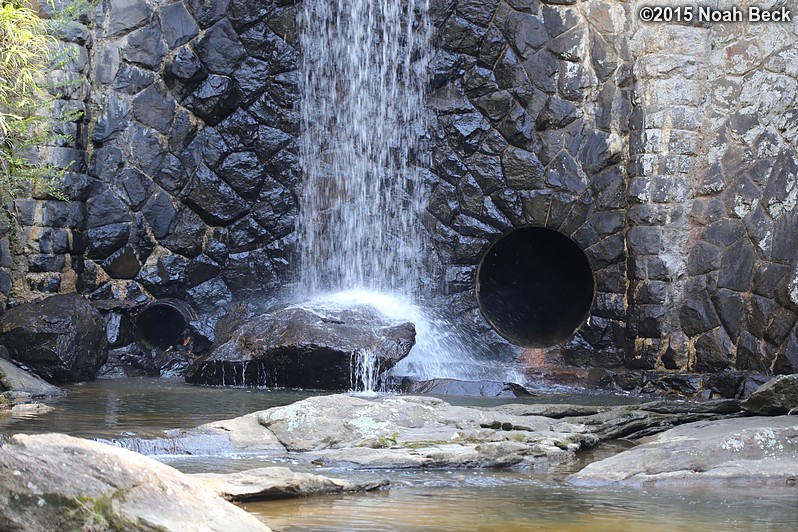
column 161, row 326
column 535, row 286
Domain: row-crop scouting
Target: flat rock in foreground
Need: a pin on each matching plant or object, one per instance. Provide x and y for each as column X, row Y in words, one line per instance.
column 740, row 451
column 57, row 482
column 278, row 483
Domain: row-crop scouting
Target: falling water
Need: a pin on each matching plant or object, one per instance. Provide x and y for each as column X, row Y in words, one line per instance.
column 361, row 205
column 362, row 110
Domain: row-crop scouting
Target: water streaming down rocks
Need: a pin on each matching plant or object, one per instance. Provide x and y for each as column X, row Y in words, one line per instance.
column 363, row 81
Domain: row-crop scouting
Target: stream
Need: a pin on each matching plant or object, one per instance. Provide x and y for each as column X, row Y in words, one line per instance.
column 439, row 500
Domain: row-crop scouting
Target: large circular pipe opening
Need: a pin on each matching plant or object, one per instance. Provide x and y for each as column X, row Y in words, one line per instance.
column 163, row 324
column 535, row 287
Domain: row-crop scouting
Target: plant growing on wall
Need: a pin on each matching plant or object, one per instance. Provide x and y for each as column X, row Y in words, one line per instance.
column 27, row 52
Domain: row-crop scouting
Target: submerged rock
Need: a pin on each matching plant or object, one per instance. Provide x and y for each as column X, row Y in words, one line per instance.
column 459, row 387
column 743, row 451
column 777, row 396
column 61, row 338
column 57, row 482
column 278, row 483
column 302, row 348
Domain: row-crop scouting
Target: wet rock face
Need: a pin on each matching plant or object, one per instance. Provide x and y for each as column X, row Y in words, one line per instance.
column 62, row 338
column 195, row 156
column 303, row 348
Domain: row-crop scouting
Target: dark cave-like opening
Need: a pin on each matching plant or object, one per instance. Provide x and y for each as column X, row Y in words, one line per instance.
column 162, row 324
column 535, row 286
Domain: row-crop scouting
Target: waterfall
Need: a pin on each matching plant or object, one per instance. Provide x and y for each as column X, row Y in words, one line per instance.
column 361, row 237
column 363, row 67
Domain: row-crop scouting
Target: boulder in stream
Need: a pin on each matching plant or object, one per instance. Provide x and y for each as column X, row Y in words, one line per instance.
column 19, row 382
column 305, row 348
column 751, row 451
column 278, row 483
column 61, row 338
column 57, row 482
column 777, row 396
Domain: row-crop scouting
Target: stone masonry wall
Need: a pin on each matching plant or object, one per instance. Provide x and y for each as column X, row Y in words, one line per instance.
column 666, row 151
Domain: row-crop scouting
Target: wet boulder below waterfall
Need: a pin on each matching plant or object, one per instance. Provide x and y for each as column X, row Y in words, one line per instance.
column 305, row 348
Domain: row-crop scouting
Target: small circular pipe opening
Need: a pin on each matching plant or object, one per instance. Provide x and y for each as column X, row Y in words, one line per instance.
column 535, row 287
column 163, row 324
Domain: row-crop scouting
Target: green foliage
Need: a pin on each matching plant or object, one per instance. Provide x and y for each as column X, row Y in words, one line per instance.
column 27, row 52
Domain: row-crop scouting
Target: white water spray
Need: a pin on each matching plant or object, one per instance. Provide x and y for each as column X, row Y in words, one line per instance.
column 364, row 73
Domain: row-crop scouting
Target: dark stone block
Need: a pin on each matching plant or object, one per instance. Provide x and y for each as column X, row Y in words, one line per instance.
column 713, row 352
column 724, row 232
column 697, row 315
column 184, row 72
column 201, row 269
column 106, row 208
column 496, row 105
column 244, row 172
column 131, row 79
column 603, row 57
column 466, row 130
column 123, row 264
column 608, row 251
column 480, row 12
column 645, row 240
column 160, row 214
column 246, row 234
column 730, row 307
column 164, row 275
column 284, row 167
column 186, row 236
column 210, row 296
column 248, row 274
column 509, row 72
column 150, row 149
column 213, row 199
column 787, row 358
column 172, row 175
column 276, row 209
column 785, row 237
column 760, row 312
column 781, row 323
column 768, row 277
column 570, row 46
column 518, row 127
column 749, row 356
column 283, row 21
column 154, row 107
column 214, row 99
column 106, row 239
column 443, row 202
column 220, row 49
column 647, row 320
column 522, row 169
column 487, row 171
column 46, row 263
column 137, row 187
column 142, row 239
column 598, row 152
column 207, row 12
column 557, row 114
column 462, row 36
column 243, row 13
column 114, row 119
column 145, row 46
column 526, row 33
column 271, row 140
column 262, row 43
column 558, row 21
column 563, row 173
column 250, row 77
column 609, row 189
column 178, row 25
column 737, row 266
column 542, row 69
column 183, row 131
column 492, row 47
column 125, row 15
column 703, row 258
column 239, row 130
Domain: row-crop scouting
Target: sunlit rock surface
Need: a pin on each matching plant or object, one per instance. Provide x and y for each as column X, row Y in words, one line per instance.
column 56, row 482
column 777, row 396
column 745, row 451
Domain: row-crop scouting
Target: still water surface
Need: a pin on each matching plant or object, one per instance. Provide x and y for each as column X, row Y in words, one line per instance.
column 417, row 501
